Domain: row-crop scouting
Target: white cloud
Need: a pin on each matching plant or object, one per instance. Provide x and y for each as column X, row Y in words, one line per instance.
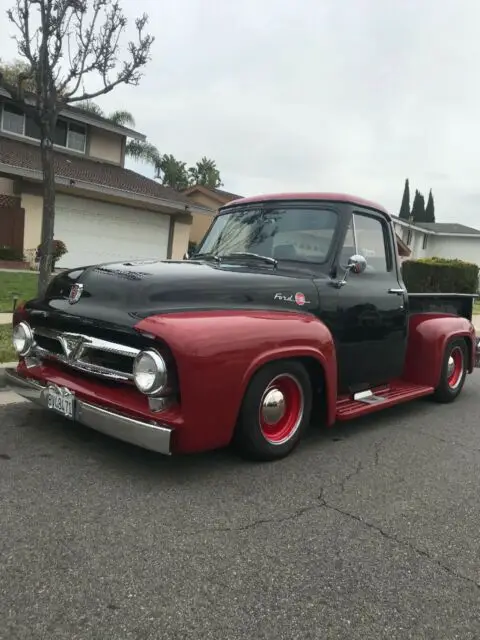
column 351, row 96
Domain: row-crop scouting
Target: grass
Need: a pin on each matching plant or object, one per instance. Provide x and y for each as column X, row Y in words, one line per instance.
column 14, row 283
column 7, row 354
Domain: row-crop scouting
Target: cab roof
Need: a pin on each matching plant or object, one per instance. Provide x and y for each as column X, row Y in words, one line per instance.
column 325, row 197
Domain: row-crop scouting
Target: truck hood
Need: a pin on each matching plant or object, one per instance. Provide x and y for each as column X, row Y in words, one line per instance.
column 143, row 288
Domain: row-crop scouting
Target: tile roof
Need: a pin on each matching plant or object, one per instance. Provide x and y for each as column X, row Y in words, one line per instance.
column 226, row 194
column 219, row 192
column 23, row 155
column 452, row 228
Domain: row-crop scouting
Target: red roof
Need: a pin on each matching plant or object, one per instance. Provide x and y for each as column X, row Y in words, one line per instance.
column 330, row 197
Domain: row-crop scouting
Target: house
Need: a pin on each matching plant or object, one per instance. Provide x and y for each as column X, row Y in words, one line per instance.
column 211, row 199
column 216, row 198
column 104, row 212
column 439, row 239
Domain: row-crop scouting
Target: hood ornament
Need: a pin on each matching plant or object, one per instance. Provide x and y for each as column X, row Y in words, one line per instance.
column 75, row 293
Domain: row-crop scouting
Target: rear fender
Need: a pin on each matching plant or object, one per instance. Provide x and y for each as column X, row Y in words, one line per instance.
column 218, row 352
column 428, row 335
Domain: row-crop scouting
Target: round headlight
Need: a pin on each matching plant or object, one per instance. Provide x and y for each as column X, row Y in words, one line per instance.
column 149, row 372
column 22, row 339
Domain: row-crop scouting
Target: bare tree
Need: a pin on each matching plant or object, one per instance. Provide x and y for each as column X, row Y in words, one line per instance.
column 64, row 43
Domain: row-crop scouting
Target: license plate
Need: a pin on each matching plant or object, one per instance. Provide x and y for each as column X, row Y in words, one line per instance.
column 61, row 401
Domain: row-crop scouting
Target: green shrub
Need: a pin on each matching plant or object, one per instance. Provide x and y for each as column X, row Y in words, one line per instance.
column 440, row 275
column 9, row 254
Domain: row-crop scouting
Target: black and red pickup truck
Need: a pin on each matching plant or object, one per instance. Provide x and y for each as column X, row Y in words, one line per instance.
column 292, row 310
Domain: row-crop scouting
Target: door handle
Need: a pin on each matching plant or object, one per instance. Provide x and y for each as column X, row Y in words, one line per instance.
column 398, row 292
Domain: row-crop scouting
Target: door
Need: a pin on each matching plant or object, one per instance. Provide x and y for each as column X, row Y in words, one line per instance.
column 371, row 323
column 12, row 226
column 97, row 232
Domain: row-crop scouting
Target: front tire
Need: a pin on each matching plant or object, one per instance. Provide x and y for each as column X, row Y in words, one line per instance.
column 454, row 371
column 275, row 411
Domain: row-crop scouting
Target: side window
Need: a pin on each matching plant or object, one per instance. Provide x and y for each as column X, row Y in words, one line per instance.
column 366, row 236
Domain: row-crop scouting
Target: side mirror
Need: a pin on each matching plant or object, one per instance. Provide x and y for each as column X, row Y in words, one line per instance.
column 186, row 255
column 357, row 264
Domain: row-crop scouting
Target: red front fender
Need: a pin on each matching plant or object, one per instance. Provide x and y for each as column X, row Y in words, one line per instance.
column 428, row 336
column 216, row 354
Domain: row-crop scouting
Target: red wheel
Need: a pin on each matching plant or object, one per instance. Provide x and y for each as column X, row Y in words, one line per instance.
column 455, row 367
column 454, row 371
column 281, row 409
column 275, row 411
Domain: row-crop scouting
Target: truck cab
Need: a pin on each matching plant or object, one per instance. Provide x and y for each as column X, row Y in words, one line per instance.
column 293, row 307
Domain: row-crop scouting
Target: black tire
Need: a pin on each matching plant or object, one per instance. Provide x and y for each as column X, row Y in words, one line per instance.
column 257, row 436
column 454, row 371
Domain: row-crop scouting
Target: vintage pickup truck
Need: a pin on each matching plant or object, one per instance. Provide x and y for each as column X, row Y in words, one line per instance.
column 292, row 311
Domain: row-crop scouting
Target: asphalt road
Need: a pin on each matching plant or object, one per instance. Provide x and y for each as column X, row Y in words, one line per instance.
column 368, row 531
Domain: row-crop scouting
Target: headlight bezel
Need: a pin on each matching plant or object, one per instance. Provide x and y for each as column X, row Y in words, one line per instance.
column 160, row 373
column 29, row 339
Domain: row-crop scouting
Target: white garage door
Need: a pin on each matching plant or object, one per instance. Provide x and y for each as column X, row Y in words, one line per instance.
column 101, row 232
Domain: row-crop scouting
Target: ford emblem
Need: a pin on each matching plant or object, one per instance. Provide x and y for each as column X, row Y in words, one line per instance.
column 75, row 293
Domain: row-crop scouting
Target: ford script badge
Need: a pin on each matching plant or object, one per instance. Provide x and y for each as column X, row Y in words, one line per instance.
column 75, row 293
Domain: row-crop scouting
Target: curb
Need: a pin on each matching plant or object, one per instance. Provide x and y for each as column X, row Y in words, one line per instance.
column 3, row 366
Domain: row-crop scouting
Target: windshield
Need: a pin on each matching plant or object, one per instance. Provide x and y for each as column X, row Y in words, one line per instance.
column 295, row 232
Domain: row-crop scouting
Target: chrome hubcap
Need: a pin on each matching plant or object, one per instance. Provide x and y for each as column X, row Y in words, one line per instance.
column 273, row 406
column 450, row 366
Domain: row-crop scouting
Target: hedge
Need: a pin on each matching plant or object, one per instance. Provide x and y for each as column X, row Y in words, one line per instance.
column 440, row 275
column 9, row 254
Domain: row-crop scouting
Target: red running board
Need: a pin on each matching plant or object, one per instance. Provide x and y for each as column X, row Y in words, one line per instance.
column 388, row 396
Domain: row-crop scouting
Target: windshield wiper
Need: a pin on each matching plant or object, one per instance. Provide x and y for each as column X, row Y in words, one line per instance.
column 246, row 254
column 205, row 256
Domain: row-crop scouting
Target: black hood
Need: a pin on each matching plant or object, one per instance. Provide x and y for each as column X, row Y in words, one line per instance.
column 143, row 288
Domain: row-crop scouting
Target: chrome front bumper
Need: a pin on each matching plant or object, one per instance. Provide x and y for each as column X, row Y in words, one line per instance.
column 143, row 434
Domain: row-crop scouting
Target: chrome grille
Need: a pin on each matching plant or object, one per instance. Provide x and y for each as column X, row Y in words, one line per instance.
column 85, row 353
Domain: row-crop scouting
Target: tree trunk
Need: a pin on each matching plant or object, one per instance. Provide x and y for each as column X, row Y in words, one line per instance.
column 48, row 217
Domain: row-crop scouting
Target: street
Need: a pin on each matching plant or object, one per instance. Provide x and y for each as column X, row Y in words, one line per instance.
column 369, row 530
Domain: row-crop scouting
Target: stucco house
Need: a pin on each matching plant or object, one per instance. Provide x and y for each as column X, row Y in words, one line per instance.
column 211, row 199
column 440, row 239
column 103, row 210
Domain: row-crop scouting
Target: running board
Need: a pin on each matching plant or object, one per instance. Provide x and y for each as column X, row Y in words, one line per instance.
column 371, row 400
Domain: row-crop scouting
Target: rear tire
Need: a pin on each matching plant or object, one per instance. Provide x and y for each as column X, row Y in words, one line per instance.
column 275, row 411
column 454, row 371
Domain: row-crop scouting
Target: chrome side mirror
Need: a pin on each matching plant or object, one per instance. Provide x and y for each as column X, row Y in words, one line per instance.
column 356, row 264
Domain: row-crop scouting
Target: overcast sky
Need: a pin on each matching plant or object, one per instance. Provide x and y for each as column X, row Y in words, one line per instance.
column 328, row 95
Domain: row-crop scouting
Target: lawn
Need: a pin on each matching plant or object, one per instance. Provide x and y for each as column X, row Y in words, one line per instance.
column 14, row 283
column 7, row 354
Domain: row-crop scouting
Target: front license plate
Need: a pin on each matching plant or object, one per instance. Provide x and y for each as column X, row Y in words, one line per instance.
column 61, row 400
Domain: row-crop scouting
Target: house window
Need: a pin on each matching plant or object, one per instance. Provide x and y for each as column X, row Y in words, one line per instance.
column 71, row 135
column 60, row 135
column 76, row 137
column 409, row 237
column 13, row 120
column 425, row 241
column 32, row 128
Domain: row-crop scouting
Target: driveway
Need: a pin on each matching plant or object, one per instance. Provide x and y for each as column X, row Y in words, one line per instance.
column 367, row 531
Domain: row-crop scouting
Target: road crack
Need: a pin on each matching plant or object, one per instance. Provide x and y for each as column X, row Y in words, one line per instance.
column 393, row 538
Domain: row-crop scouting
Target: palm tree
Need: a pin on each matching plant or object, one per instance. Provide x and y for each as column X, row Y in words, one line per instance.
column 172, row 172
column 205, row 173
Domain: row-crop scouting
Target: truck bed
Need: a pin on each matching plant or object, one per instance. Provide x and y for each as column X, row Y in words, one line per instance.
column 459, row 304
